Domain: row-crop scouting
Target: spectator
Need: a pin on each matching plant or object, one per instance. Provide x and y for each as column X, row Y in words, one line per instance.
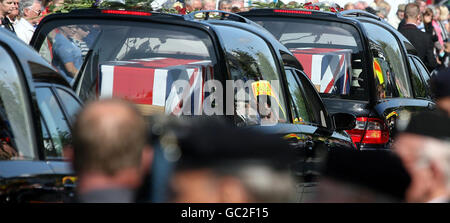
column 422, row 5
column 430, row 26
column 349, row 6
column 235, row 9
column 29, row 13
column 361, row 5
column 6, row 7
column 110, row 152
column 237, row 5
column 67, row 57
column 81, row 32
column 14, row 13
column 400, row 15
column 225, row 5
column 444, row 57
column 442, row 37
column 381, row 7
column 425, row 152
column 221, row 163
column 440, row 87
column 443, row 22
column 209, row 4
column 420, row 40
column 358, row 177
column 194, row 5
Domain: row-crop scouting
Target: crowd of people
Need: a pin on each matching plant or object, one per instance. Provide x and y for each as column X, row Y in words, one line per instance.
column 425, row 25
column 22, row 16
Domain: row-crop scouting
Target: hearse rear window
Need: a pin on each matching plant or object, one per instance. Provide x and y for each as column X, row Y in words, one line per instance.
column 330, row 53
column 132, row 60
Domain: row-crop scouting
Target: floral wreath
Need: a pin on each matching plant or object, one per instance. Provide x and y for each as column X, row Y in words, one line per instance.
column 179, row 8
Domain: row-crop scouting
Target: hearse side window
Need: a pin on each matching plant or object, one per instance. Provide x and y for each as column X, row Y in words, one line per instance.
column 419, row 86
column 299, row 107
column 71, row 104
column 49, row 148
column 15, row 126
column 56, row 123
column 423, row 72
column 390, row 52
column 317, row 110
column 251, row 61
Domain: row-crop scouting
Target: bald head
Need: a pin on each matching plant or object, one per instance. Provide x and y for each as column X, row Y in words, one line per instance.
column 108, row 136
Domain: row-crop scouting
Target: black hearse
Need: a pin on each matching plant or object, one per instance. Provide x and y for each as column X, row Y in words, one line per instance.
column 358, row 63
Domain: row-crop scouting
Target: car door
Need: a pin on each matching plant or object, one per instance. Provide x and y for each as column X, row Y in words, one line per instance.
column 320, row 124
column 317, row 135
column 24, row 176
column 58, row 107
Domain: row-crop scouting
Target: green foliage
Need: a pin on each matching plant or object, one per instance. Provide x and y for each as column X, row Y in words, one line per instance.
column 143, row 5
column 72, row 4
column 278, row 4
column 129, row 5
column 294, row 5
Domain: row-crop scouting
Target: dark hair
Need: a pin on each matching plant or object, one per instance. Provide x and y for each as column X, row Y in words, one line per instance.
column 428, row 12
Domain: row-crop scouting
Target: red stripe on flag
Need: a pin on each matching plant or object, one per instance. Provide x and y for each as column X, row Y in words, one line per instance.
column 167, row 62
column 192, row 79
column 306, row 61
column 314, row 50
column 327, row 90
column 134, row 84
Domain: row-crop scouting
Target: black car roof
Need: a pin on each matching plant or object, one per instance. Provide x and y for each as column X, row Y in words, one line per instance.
column 231, row 19
column 348, row 16
column 27, row 57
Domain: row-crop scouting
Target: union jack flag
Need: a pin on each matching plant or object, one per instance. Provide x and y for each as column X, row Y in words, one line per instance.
column 149, row 83
column 328, row 69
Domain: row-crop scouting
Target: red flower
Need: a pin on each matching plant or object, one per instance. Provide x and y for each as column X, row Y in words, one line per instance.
column 180, row 10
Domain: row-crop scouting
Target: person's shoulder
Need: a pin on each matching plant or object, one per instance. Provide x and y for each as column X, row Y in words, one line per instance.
column 22, row 24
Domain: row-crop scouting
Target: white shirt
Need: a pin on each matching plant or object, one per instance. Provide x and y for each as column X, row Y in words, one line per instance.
column 24, row 30
column 395, row 21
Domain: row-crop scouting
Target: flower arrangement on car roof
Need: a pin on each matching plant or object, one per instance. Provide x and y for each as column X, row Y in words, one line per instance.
column 321, row 6
column 118, row 4
column 178, row 8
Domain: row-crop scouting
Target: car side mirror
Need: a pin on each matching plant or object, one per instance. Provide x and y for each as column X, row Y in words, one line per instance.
column 344, row 121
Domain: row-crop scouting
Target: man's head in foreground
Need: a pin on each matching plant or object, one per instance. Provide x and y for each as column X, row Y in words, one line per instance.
column 110, row 149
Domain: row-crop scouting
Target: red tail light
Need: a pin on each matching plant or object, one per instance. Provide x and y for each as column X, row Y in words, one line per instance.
column 292, row 11
column 375, row 133
column 123, row 12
